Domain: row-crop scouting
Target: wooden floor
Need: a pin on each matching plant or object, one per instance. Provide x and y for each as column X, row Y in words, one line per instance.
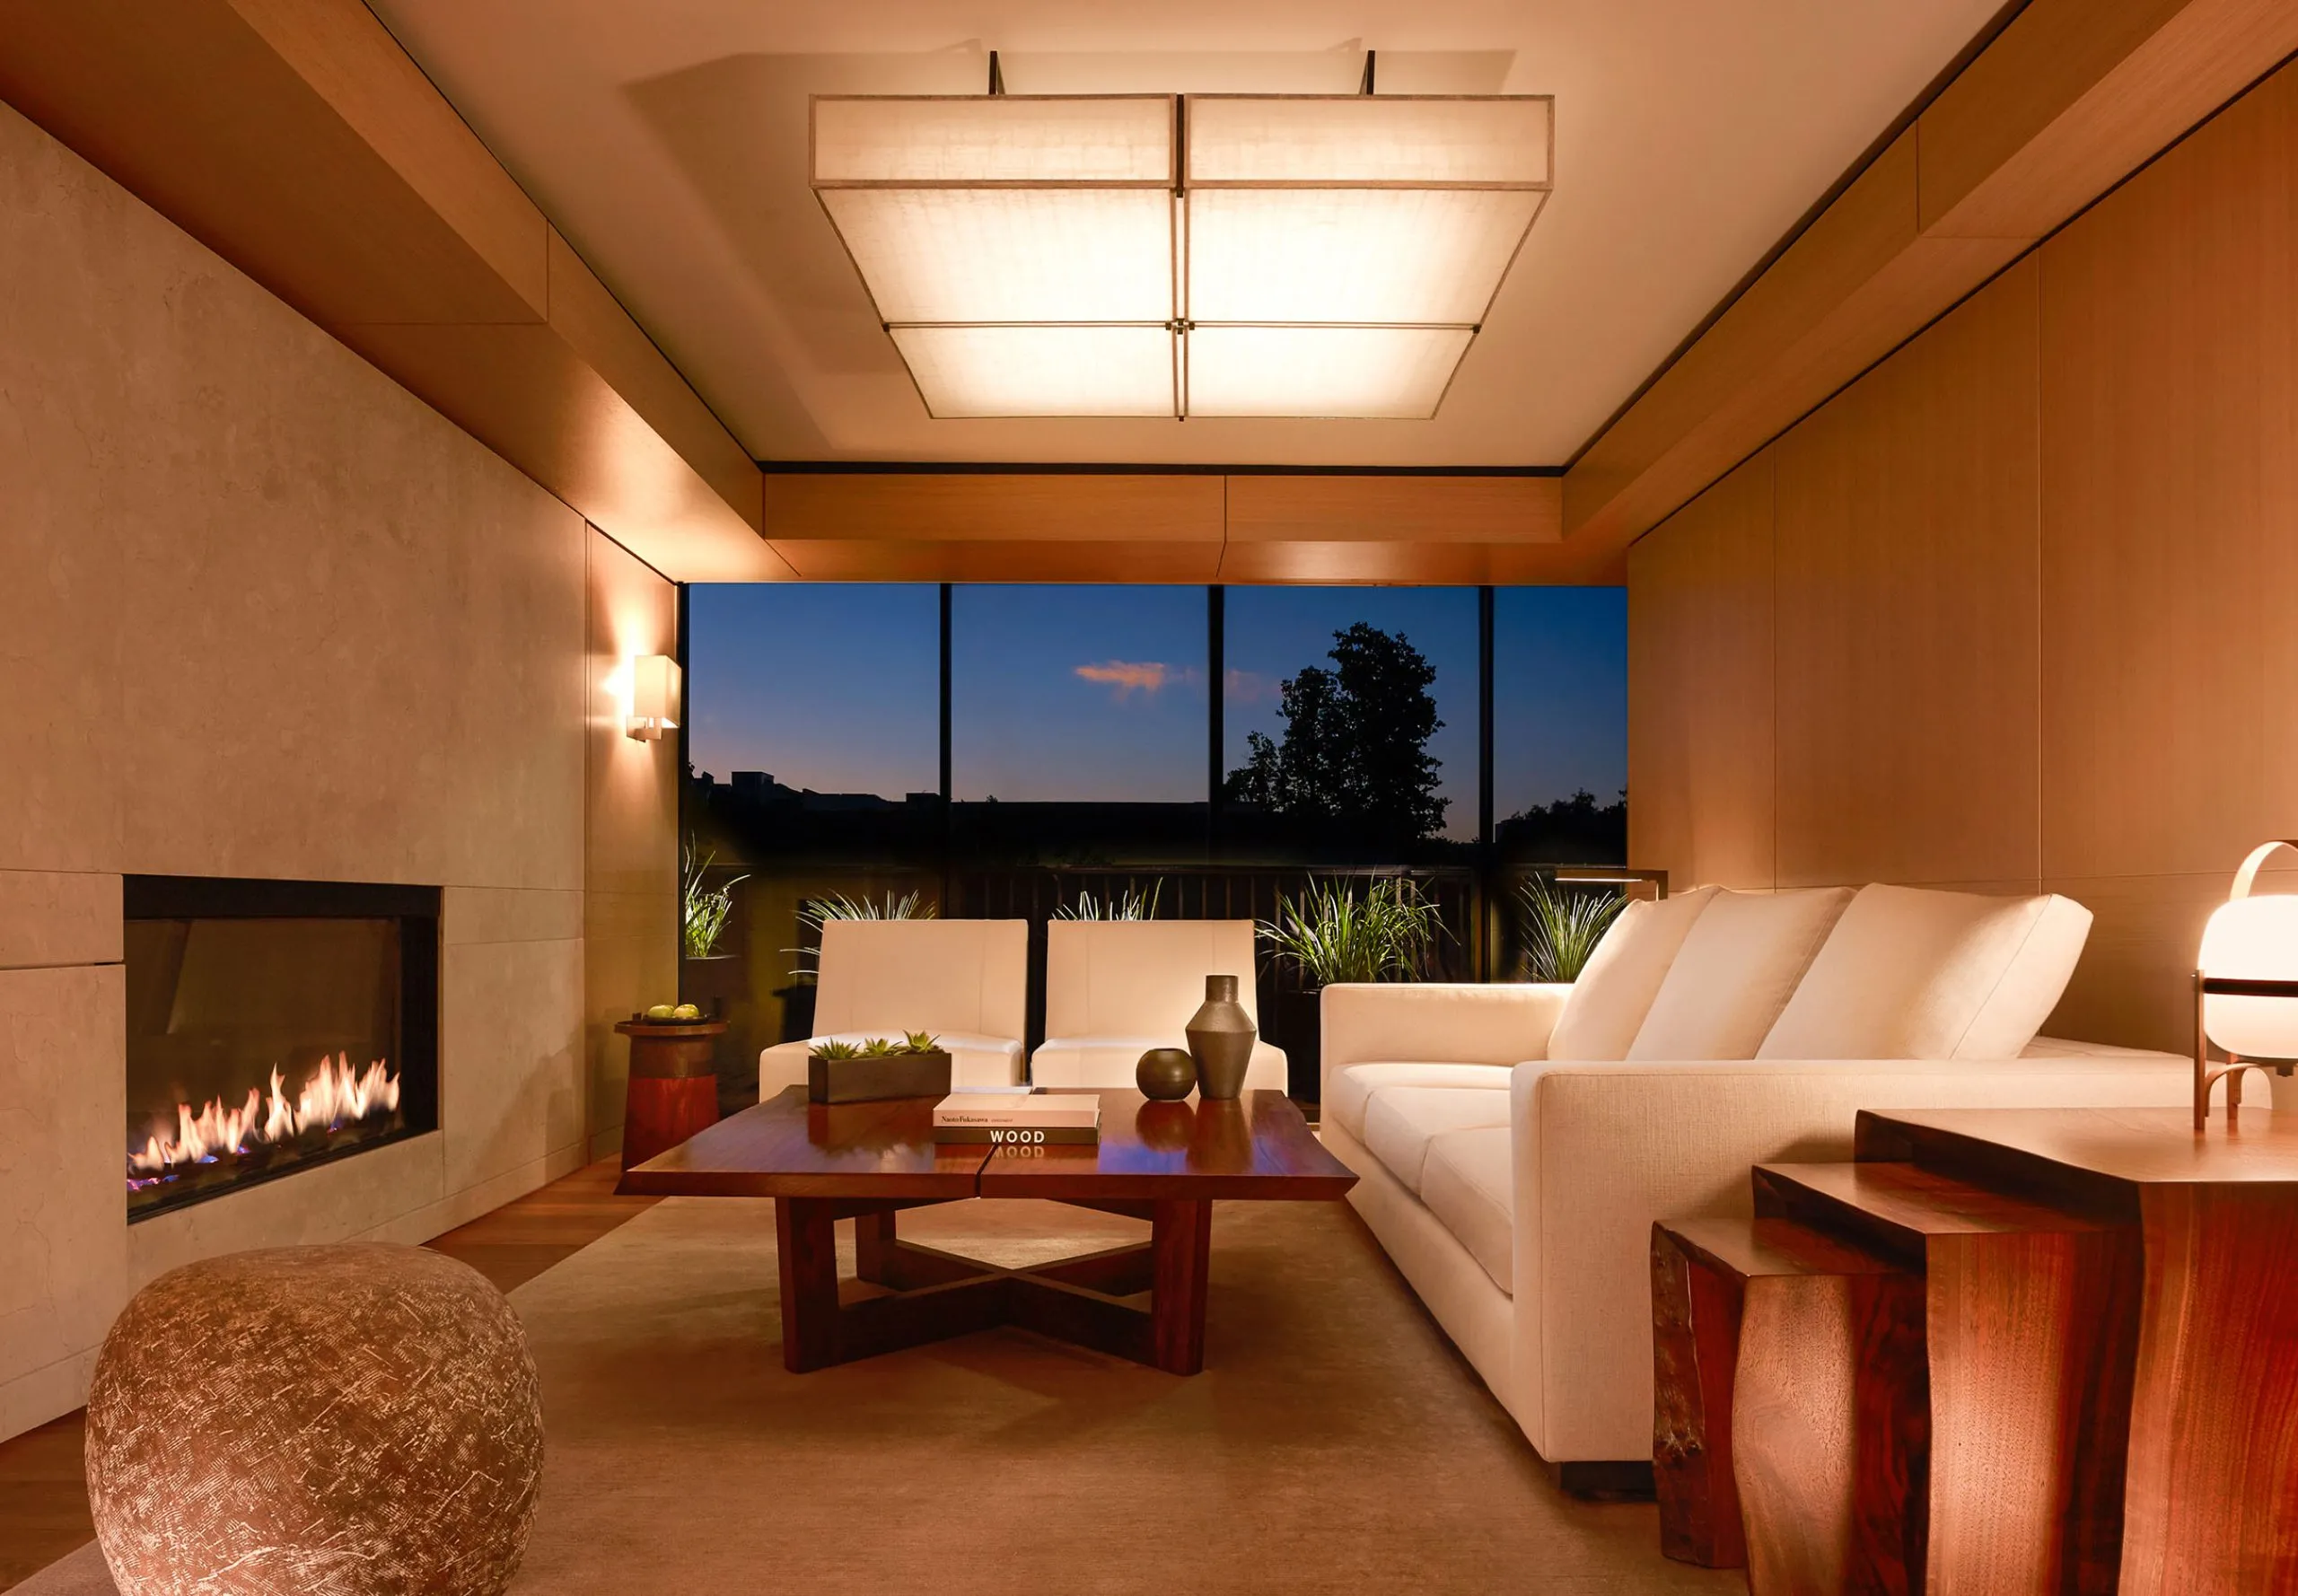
column 43, row 1492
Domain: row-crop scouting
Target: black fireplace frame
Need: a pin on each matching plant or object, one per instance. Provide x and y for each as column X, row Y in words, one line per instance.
column 246, row 897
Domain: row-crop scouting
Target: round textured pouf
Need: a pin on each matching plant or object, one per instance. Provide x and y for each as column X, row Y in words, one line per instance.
column 315, row 1421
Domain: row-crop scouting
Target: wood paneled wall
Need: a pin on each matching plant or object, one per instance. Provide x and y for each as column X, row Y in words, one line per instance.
column 2008, row 613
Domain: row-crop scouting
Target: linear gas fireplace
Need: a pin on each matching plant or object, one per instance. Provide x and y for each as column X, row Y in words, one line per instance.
column 272, row 1026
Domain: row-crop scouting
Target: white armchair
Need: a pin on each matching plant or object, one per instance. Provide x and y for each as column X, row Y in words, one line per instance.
column 967, row 981
column 1116, row 988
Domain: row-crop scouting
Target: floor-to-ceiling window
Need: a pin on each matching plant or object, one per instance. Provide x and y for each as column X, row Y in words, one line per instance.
column 1016, row 751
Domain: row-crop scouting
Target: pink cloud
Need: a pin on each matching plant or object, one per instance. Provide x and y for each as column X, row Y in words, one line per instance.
column 1251, row 687
column 1125, row 675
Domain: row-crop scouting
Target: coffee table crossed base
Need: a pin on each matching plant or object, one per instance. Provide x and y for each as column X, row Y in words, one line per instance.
column 1165, row 1162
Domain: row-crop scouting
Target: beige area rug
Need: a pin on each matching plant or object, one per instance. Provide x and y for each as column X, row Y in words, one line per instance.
column 1335, row 1442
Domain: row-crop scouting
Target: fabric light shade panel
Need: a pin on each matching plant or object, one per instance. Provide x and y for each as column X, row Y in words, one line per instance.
column 2246, row 982
column 656, row 687
column 1170, row 256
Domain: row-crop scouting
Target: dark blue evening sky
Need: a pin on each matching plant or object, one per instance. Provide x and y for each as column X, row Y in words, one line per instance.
column 1094, row 693
column 1559, row 695
column 831, row 685
column 1077, row 694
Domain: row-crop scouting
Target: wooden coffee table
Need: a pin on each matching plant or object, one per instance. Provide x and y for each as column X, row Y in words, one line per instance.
column 1165, row 1162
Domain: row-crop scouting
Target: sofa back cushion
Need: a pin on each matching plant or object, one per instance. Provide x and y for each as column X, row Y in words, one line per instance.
column 924, row 974
column 1615, row 990
column 1910, row 973
column 1140, row 977
column 1735, row 972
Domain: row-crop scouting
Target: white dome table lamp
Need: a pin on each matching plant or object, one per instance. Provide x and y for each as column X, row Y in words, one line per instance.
column 2245, row 988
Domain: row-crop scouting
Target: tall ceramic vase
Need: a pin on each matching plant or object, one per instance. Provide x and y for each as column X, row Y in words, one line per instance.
column 1221, row 1039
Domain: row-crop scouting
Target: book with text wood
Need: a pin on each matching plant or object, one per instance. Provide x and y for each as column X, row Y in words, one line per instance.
column 1023, row 1117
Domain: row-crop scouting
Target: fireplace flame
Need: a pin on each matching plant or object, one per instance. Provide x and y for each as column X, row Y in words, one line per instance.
column 335, row 1095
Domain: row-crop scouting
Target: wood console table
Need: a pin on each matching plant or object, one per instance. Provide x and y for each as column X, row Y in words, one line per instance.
column 2003, row 1351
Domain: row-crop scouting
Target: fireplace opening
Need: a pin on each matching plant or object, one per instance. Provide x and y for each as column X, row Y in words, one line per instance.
column 272, row 1026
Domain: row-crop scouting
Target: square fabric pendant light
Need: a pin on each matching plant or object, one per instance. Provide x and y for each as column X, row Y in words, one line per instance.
column 1160, row 255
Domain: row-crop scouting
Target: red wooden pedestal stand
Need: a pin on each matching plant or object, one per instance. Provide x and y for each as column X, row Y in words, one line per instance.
column 673, row 1089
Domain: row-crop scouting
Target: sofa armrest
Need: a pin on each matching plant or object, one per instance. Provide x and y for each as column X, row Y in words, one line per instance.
column 1436, row 1022
column 1601, row 1151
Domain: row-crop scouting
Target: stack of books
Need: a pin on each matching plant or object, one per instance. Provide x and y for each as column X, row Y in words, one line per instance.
column 1020, row 1118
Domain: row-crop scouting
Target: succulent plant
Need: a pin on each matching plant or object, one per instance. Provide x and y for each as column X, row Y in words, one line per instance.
column 922, row 1042
column 882, row 1046
column 832, row 1051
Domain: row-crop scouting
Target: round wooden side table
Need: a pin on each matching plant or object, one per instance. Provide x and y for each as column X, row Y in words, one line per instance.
column 673, row 1090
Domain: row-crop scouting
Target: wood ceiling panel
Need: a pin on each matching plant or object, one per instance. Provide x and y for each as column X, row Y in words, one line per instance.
column 191, row 107
column 2075, row 95
column 1408, row 509
column 1853, row 240
column 999, row 506
column 1908, row 523
column 297, row 140
column 2069, row 98
column 601, row 334
column 995, row 560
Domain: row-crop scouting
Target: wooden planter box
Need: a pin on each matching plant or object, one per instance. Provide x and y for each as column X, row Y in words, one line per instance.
column 872, row 1079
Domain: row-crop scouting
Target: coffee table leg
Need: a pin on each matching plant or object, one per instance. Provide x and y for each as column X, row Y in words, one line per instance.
column 873, row 1243
column 806, row 1246
column 1180, row 1235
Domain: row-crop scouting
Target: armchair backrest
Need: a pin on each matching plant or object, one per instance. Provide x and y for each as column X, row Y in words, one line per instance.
column 924, row 974
column 1140, row 977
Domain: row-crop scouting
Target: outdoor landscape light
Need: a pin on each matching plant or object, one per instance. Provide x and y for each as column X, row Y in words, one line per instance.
column 654, row 684
column 1161, row 255
column 2246, row 986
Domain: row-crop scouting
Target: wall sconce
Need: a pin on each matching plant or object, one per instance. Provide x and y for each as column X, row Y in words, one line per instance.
column 654, row 684
column 2246, row 989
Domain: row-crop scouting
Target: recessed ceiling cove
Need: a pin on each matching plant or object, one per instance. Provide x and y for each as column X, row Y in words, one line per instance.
column 670, row 144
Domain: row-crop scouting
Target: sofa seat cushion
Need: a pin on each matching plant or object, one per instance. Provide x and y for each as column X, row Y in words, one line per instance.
column 1109, row 1061
column 1466, row 1183
column 1349, row 1089
column 974, row 1060
column 1623, row 975
column 1912, row 973
column 1739, row 963
column 1402, row 1120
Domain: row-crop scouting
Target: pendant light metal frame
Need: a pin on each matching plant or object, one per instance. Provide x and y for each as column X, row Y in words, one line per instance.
column 1174, row 178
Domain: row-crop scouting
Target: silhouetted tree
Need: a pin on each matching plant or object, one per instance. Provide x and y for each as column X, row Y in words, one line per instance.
column 1574, row 831
column 1354, row 752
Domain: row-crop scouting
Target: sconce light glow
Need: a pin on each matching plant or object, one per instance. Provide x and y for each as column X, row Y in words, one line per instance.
column 652, row 707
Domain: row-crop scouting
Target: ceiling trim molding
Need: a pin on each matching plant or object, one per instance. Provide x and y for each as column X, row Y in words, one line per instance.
column 841, row 467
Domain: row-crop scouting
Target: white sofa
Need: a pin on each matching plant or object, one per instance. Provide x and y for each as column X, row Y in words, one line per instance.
column 1116, row 988
column 967, row 981
column 1514, row 1143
